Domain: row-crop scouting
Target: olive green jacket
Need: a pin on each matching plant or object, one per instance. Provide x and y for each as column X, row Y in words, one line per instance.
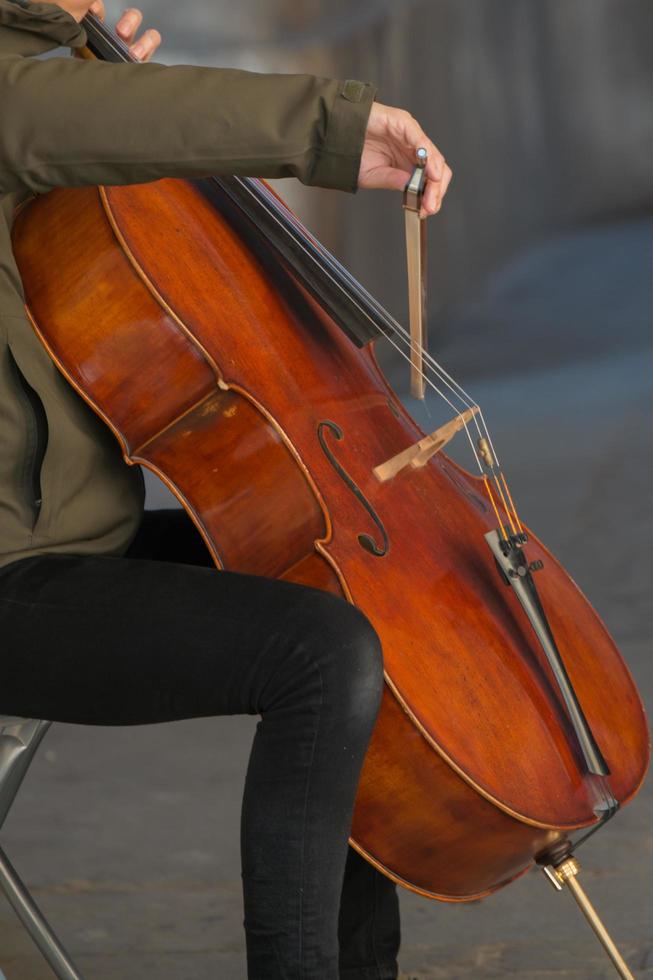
column 64, row 122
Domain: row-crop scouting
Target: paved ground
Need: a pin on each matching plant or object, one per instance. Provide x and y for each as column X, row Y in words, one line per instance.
column 129, row 837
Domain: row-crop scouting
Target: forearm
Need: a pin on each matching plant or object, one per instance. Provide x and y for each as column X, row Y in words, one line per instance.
column 67, row 123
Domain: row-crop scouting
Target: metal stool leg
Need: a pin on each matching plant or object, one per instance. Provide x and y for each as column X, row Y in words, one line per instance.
column 19, row 739
column 32, row 918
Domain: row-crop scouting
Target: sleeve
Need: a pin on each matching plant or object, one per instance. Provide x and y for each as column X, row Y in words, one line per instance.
column 68, row 122
column 29, row 28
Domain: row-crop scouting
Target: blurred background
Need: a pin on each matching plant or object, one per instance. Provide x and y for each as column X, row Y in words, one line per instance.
column 541, row 304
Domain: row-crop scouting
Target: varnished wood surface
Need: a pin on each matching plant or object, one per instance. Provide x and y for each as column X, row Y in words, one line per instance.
column 206, row 305
column 263, row 525
column 428, row 819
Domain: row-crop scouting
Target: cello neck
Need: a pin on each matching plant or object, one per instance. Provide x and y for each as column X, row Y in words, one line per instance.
column 103, row 43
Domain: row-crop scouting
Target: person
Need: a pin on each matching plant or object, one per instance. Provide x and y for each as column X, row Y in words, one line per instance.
column 110, row 616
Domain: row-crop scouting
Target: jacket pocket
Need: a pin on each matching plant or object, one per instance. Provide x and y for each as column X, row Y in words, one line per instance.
column 36, row 439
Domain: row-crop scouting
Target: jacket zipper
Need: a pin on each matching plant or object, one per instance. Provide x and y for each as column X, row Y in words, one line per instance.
column 37, row 440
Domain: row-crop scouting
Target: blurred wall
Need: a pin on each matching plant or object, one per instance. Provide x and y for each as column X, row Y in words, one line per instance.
column 543, row 108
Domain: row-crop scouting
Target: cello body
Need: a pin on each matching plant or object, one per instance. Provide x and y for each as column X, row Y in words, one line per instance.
column 217, row 371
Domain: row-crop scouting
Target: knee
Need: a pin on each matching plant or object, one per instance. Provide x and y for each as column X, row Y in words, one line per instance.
column 352, row 660
column 328, row 660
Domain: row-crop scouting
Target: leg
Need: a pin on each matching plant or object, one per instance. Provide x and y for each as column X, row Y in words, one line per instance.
column 369, row 929
column 118, row 641
column 369, row 926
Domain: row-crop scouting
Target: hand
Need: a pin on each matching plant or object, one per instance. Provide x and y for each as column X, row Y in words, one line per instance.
column 142, row 48
column 388, row 157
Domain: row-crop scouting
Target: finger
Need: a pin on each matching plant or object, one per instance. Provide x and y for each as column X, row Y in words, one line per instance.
column 430, row 198
column 97, row 8
column 146, row 45
column 128, row 25
column 446, row 180
column 435, row 191
column 441, row 188
column 435, row 170
column 436, row 164
column 384, row 178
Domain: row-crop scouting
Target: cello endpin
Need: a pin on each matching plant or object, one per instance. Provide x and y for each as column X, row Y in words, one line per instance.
column 566, row 874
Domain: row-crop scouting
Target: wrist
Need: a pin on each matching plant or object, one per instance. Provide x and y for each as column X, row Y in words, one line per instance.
column 338, row 159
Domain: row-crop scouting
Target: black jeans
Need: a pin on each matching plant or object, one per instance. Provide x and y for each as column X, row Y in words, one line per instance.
column 156, row 637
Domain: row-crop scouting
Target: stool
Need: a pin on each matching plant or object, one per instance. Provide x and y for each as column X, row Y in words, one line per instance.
column 19, row 740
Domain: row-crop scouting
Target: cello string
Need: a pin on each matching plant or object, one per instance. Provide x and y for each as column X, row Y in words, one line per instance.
column 401, row 331
column 514, row 509
column 275, row 206
column 502, row 532
column 333, row 265
column 444, row 376
column 431, row 384
column 495, row 470
column 355, row 287
column 398, row 334
column 505, row 505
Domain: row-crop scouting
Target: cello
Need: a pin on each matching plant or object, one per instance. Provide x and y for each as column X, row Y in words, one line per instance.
column 233, row 357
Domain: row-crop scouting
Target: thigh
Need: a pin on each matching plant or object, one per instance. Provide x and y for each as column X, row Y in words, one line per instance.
column 169, row 535
column 96, row 640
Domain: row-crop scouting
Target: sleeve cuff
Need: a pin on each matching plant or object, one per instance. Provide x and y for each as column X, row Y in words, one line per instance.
column 337, row 162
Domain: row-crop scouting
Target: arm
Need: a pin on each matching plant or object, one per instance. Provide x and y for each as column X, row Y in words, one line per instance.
column 66, row 122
